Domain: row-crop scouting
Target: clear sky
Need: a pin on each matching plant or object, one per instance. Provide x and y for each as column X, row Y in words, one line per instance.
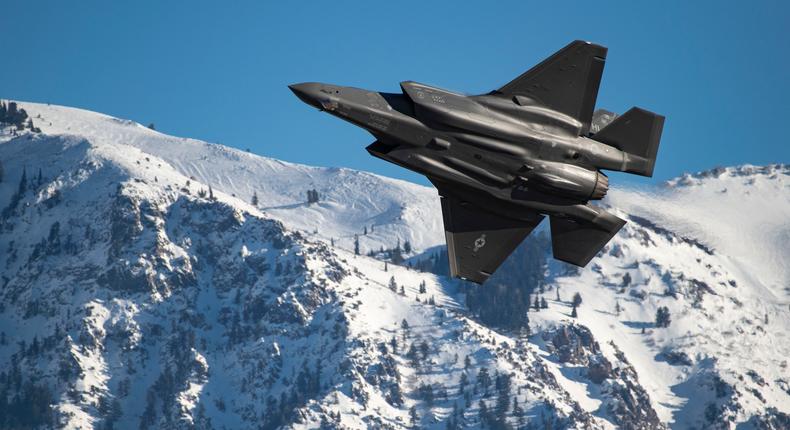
column 219, row 71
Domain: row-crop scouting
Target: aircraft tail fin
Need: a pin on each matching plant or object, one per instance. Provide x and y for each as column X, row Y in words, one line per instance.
column 578, row 242
column 638, row 133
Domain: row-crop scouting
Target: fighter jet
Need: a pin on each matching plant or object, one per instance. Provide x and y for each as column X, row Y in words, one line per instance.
column 502, row 161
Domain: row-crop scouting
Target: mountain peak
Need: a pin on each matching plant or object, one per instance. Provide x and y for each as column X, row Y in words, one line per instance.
column 771, row 171
column 155, row 281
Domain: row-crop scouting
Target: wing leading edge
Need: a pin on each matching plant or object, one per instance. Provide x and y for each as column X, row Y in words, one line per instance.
column 567, row 81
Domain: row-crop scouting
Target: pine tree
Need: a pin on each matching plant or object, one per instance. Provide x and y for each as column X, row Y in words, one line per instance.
column 524, row 330
column 483, row 414
column 503, row 398
column 392, row 284
column 255, row 198
column 617, row 308
column 428, row 394
column 395, row 255
column 210, row 193
column 662, row 317
column 574, row 314
column 407, row 246
column 536, row 304
column 484, row 379
column 422, row 288
column 424, row 349
column 577, row 300
column 312, row 196
column 413, row 356
column 518, row 411
column 22, row 183
column 558, row 294
column 413, row 416
column 365, row 231
column 543, row 303
column 356, row 245
column 463, row 382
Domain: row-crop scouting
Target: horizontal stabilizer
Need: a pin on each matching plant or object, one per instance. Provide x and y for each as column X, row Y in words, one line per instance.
column 578, row 242
column 479, row 241
column 567, row 81
column 637, row 132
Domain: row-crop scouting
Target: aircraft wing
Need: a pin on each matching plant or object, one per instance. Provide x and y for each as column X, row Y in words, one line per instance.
column 566, row 82
column 479, row 241
column 578, row 242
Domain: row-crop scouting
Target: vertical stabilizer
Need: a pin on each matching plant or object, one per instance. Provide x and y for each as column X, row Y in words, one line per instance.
column 637, row 132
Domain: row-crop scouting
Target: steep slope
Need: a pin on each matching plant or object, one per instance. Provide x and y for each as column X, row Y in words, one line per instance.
column 742, row 213
column 134, row 297
column 723, row 357
column 165, row 298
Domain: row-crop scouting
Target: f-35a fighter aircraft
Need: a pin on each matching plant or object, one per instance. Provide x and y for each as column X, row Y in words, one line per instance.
column 503, row 160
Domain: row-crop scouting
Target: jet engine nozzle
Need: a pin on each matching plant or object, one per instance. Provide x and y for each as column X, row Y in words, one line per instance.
column 601, row 187
column 569, row 180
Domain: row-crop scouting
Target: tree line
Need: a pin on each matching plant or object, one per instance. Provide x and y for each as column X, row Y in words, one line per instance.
column 11, row 113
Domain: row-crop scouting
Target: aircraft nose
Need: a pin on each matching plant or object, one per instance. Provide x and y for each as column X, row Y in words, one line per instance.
column 308, row 92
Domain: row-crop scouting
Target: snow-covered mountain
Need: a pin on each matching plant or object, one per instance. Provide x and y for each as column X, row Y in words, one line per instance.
column 141, row 288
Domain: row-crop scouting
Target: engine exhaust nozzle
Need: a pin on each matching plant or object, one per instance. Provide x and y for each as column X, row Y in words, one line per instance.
column 601, row 187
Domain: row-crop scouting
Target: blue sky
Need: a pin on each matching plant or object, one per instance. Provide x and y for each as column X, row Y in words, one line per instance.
column 219, row 71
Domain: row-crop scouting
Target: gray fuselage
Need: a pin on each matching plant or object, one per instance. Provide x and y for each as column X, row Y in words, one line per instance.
column 500, row 153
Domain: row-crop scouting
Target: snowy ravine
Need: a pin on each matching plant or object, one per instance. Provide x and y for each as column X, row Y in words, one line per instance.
column 141, row 288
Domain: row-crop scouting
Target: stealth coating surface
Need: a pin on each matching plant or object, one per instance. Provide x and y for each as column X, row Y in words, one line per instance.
column 477, row 241
column 503, row 160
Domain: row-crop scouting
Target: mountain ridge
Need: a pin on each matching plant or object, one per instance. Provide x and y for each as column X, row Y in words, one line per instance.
column 139, row 241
